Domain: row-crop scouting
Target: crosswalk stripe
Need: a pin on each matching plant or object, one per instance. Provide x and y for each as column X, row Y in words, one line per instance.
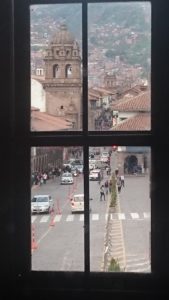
column 69, row 218
column 121, row 216
column 95, row 217
column 33, row 218
column 81, row 218
column 135, row 257
column 44, row 219
column 115, row 217
column 106, row 217
column 146, row 215
column 134, row 215
column 139, row 264
column 57, row 218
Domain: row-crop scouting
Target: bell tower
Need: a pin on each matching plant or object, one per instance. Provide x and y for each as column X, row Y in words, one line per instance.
column 63, row 84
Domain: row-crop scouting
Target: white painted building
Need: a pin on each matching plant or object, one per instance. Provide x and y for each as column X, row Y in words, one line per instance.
column 37, row 95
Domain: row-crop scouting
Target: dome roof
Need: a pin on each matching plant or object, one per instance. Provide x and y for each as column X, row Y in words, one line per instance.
column 63, row 36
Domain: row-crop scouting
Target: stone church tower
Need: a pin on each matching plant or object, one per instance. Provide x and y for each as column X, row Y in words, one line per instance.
column 63, row 84
column 110, row 81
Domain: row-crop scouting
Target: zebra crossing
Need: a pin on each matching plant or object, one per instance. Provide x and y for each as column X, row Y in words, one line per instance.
column 138, row 263
column 93, row 217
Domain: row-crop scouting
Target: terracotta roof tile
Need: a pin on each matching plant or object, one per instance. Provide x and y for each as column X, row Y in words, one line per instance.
column 136, row 123
column 94, row 93
column 138, row 103
column 105, row 91
column 41, row 121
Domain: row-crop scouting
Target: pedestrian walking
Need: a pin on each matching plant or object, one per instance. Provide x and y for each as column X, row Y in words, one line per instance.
column 116, row 172
column 106, row 185
column 45, row 176
column 118, row 184
column 102, row 193
column 107, row 170
column 122, row 180
column 99, row 178
column 110, row 185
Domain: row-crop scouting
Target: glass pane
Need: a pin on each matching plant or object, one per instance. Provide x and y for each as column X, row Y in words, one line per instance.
column 57, row 209
column 119, row 66
column 120, row 209
column 56, row 67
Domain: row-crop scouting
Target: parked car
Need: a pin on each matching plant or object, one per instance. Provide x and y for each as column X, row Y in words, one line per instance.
column 42, row 204
column 67, row 178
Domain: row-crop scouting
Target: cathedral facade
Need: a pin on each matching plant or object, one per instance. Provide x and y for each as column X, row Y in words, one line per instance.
column 63, row 82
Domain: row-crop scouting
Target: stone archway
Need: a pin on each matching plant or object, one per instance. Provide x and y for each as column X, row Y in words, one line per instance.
column 130, row 164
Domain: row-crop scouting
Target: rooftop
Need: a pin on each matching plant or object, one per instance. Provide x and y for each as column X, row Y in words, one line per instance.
column 41, row 121
column 137, row 103
column 137, row 123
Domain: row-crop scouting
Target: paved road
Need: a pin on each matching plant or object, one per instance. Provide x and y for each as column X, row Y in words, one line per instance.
column 61, row 247
column 135, row 201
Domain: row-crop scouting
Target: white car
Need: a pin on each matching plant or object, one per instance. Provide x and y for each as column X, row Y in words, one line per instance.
column 92, row 166
column 42, row 204
column 67, row 178
column 77, row 203
column 105, row 157
column 95, row 175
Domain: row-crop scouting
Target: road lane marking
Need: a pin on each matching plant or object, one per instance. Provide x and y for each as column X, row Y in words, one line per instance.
column 69, row 218
column 115, row 217
column 134, row 215
column 33, row 218
column 44, row 219
column 57, row 218
column 81, row 218
column 95, row 217
column 44, row 235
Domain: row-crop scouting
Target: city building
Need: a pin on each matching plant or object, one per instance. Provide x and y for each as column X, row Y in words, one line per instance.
column 62, row 82
column 132, row 113
column 58, row 93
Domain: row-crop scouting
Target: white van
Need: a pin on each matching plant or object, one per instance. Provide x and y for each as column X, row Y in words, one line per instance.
column 77, row 203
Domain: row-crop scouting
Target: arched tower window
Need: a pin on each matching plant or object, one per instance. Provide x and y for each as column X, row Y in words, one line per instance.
column 68, row 71
column 55, row 71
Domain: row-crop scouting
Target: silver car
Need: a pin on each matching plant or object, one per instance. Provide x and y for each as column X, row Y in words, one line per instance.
column 42, row 204
column 67, row 178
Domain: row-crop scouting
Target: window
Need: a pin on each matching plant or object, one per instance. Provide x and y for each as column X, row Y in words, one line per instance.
column 156, row 139
column 55, row 71
column 68, row 71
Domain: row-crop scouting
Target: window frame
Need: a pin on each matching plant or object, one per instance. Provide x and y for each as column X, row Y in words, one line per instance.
column 23, row 139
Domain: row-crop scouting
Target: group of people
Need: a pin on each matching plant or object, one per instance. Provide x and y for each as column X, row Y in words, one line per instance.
column 106, row 187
